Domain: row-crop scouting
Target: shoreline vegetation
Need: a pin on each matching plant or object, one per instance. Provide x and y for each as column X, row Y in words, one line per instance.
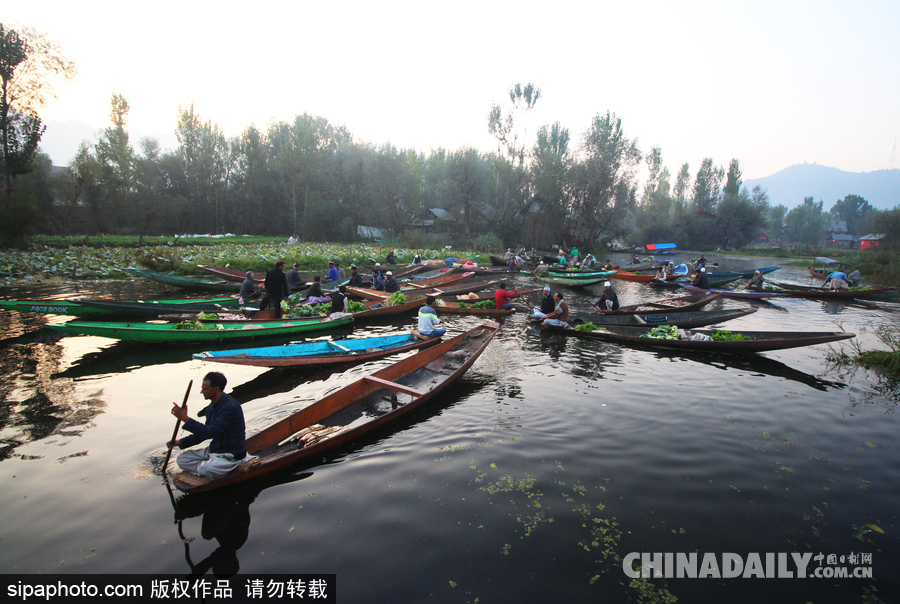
column 103, row 257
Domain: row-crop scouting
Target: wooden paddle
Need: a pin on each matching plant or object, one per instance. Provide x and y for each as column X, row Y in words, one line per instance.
column 177, row 426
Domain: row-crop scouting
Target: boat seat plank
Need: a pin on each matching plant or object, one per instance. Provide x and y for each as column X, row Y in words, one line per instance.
column 341, row 348
column 394, row 386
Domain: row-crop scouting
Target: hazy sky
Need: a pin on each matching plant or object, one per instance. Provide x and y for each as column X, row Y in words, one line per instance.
column 771, row 83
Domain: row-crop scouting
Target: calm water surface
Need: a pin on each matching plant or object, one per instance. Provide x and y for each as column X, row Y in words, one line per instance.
column 493, row 491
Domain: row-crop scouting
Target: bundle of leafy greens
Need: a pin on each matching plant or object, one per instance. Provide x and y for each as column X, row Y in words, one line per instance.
column 724, row 335
column 665, row 332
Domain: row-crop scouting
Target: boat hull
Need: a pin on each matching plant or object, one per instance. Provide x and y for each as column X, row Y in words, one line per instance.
column 313, row 354
column 359, row 408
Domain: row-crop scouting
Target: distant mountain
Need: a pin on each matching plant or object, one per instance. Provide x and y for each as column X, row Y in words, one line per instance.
column 790, row 186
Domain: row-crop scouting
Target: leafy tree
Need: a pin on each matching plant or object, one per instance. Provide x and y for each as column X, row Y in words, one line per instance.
column 512, row 184
column 706, row 186
column 205, row 158
column 853, row 209
column 733, row 179
column 604, row 183
column 775, row 221
column 806, row 223
column 740, row 218
column 30, row 66
column 117, row 164
column 551, row 162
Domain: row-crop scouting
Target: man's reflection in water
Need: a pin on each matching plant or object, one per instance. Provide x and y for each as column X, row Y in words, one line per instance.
column 225, row 520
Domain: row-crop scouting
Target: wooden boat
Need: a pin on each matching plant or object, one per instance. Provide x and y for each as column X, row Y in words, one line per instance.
column 479, row 296
column 398, row 269
column 356, row 409
column 452, row 307
column 231, row 274
column 713, row 281
column 81, row 308
column 698, row 318
column 743, row 294
column 679, row 304
column 629, row 276
column 803, row 291
column 410, row 288
column 640, row 266
column 574, row 280
column 150, row 308
column 462, row 287
column 168, row 333
column 747, row 274
column 377, row 309
column 759, row 341
column 185, row 282
column 329, row 352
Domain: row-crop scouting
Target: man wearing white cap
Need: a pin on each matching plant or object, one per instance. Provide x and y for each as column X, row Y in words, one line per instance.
column 391, row 285
column 701, row 280
column 547, row 304
column 609, row 300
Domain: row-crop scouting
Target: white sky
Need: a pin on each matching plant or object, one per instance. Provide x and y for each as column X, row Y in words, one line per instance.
column 771, row 83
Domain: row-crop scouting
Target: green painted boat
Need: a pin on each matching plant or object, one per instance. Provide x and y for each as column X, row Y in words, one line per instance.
column 186, row 282
column 572, row 281
column 83, row 308
column 169, row 333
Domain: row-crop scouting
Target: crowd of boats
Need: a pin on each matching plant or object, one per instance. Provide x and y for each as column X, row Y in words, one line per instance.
column 435, row 363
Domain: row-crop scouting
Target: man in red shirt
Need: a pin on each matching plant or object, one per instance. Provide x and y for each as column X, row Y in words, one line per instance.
column 502, row 297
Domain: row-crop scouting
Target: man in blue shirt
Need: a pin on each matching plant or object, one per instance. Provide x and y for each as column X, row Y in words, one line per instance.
column 837, row 281
column 428, row 320
column 224, row 425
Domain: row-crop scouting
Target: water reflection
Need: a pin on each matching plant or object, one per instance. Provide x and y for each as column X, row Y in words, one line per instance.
column 34, row 404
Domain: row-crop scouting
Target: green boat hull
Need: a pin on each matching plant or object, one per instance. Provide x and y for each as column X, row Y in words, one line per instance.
column 75, row 308
column 166, row 333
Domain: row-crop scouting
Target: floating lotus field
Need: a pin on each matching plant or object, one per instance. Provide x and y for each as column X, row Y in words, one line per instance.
column 83, row 262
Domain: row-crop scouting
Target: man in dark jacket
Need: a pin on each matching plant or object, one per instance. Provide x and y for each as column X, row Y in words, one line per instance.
column 701, row 280
column 391, row 285
column 355, row 277
column 609, row 299
column 224, row 425
column 276, row 289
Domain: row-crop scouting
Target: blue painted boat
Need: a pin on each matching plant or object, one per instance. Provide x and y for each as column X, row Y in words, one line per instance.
column 327, row 352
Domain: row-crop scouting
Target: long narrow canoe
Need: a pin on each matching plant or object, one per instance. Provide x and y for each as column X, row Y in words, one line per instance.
column 82, row 308
column 185, row 282
column 801, row 291
column 448, row 307
column 713, row 281
column 758, row 341
column 743, row 294
column 377, row 309
column 356, row 350
column 571, row 281
column 167, row 333
column 479, row 296
column 398, row 270
column 670, row 305
column 629, row 276
column 441, row 290
column 745, row 273
column 150, row 308
column 580, row 274
column 364, row 405
column 697, row 318
column 410, row 288
column 231, row 274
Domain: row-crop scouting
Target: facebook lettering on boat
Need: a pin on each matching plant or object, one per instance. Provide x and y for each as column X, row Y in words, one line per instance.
column 49, row 309
column 728, row 565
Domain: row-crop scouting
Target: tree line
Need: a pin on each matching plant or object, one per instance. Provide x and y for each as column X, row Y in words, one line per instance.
column 314, row 179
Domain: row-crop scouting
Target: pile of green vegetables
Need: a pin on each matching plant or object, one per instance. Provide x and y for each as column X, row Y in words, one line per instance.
column 480, row 305
column 197, row 325
column 397, row 299
column 665, row 332
column 587, row 327
column 726, row 336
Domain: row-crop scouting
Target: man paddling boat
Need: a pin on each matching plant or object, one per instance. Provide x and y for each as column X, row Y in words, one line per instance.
column 224, row 425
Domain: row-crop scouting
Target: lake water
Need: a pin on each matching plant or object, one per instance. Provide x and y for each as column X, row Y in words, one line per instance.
column 529, row 481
